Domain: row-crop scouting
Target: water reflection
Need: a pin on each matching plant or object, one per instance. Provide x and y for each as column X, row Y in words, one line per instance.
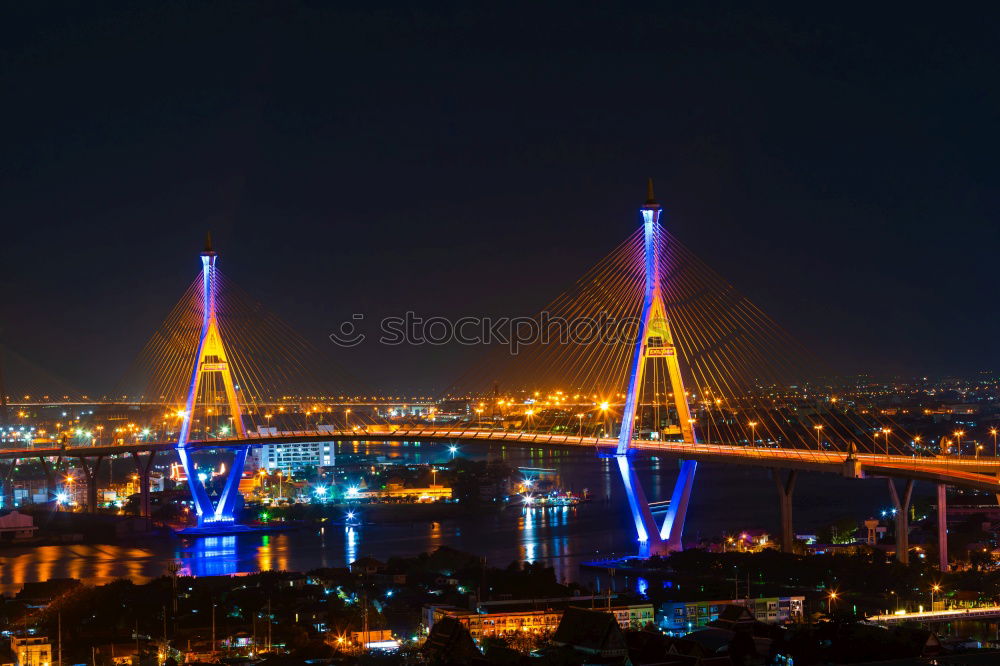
column 350, row 545
column 213, row 556
column 561, row 537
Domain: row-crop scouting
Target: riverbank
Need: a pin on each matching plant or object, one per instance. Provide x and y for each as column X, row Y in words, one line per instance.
column 370, row 514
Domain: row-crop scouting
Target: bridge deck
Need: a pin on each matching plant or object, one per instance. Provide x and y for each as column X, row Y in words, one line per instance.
column 980, row 473
column 938, row 616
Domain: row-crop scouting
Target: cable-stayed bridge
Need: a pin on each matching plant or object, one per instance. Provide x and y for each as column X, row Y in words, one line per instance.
column 688, row 369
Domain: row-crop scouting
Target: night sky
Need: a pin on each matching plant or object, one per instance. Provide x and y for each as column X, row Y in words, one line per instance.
column 839, row 168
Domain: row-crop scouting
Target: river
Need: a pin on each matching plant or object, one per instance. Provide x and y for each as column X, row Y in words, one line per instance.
column 726, row 499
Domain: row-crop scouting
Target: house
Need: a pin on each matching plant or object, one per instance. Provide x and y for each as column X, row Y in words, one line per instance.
column 367, row 566
column 450, row 643
column 16, row 526
column 736, row 645
column 735, row 618
column 31, row 650
column 41, row 593
column 591, row 632
column 652, row 647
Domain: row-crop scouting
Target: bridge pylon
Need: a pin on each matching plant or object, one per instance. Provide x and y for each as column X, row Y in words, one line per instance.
column 211, row 364
column 655, row 342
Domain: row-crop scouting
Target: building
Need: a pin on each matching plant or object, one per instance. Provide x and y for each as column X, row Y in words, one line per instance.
column 591, row 633
column 294, row 456
column 537, row 616
column 687, row 616
column 400, row 492
column 31, row 650
column 16, row 526
column 450, row 642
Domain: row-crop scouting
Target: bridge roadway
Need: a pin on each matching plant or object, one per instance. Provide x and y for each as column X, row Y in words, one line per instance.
column 977, row 473
column 982, row 613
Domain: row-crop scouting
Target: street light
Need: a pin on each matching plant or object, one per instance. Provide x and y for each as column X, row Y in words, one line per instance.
column 579, row 418
column 818, row 429
column 886, row 431
column 958, row 440
column 753, row 432
column 934, row 588
column 993, row 431
column 829, row 602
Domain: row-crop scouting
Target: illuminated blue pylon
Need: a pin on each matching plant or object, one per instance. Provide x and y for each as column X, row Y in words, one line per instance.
column 211, row 359
column 654, row 341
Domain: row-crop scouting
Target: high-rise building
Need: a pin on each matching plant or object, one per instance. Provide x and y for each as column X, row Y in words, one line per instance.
column 291, row 457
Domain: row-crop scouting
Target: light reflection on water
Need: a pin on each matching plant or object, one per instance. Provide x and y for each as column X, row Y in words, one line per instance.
column 725, row 499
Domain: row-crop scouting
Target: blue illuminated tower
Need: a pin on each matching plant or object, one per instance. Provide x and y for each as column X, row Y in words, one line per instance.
column 654, row 340
column 211, row 359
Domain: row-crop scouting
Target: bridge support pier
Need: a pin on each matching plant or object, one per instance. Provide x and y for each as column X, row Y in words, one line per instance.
column 942, row 526
column 902, row 506
column 49, row 470
column 672, row 531
column 142, row 469
column 645, row 526
column 91, row 476
column 666, row 538
column 785, row 490
column 7, row 484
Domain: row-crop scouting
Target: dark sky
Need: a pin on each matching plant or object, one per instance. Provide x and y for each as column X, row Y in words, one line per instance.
column 839, row 168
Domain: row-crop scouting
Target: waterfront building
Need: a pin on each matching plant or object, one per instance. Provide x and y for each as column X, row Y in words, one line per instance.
column 397, row 491
column 689, row 615
column 16, row 526
column 294, row 456
column 536, row 616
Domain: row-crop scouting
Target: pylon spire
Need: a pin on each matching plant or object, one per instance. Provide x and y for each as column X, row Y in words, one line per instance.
column 650, row 197
column 208, row 243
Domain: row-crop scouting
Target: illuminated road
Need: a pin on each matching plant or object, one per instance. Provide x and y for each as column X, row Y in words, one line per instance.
column 981, row 473
column 939, row 616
